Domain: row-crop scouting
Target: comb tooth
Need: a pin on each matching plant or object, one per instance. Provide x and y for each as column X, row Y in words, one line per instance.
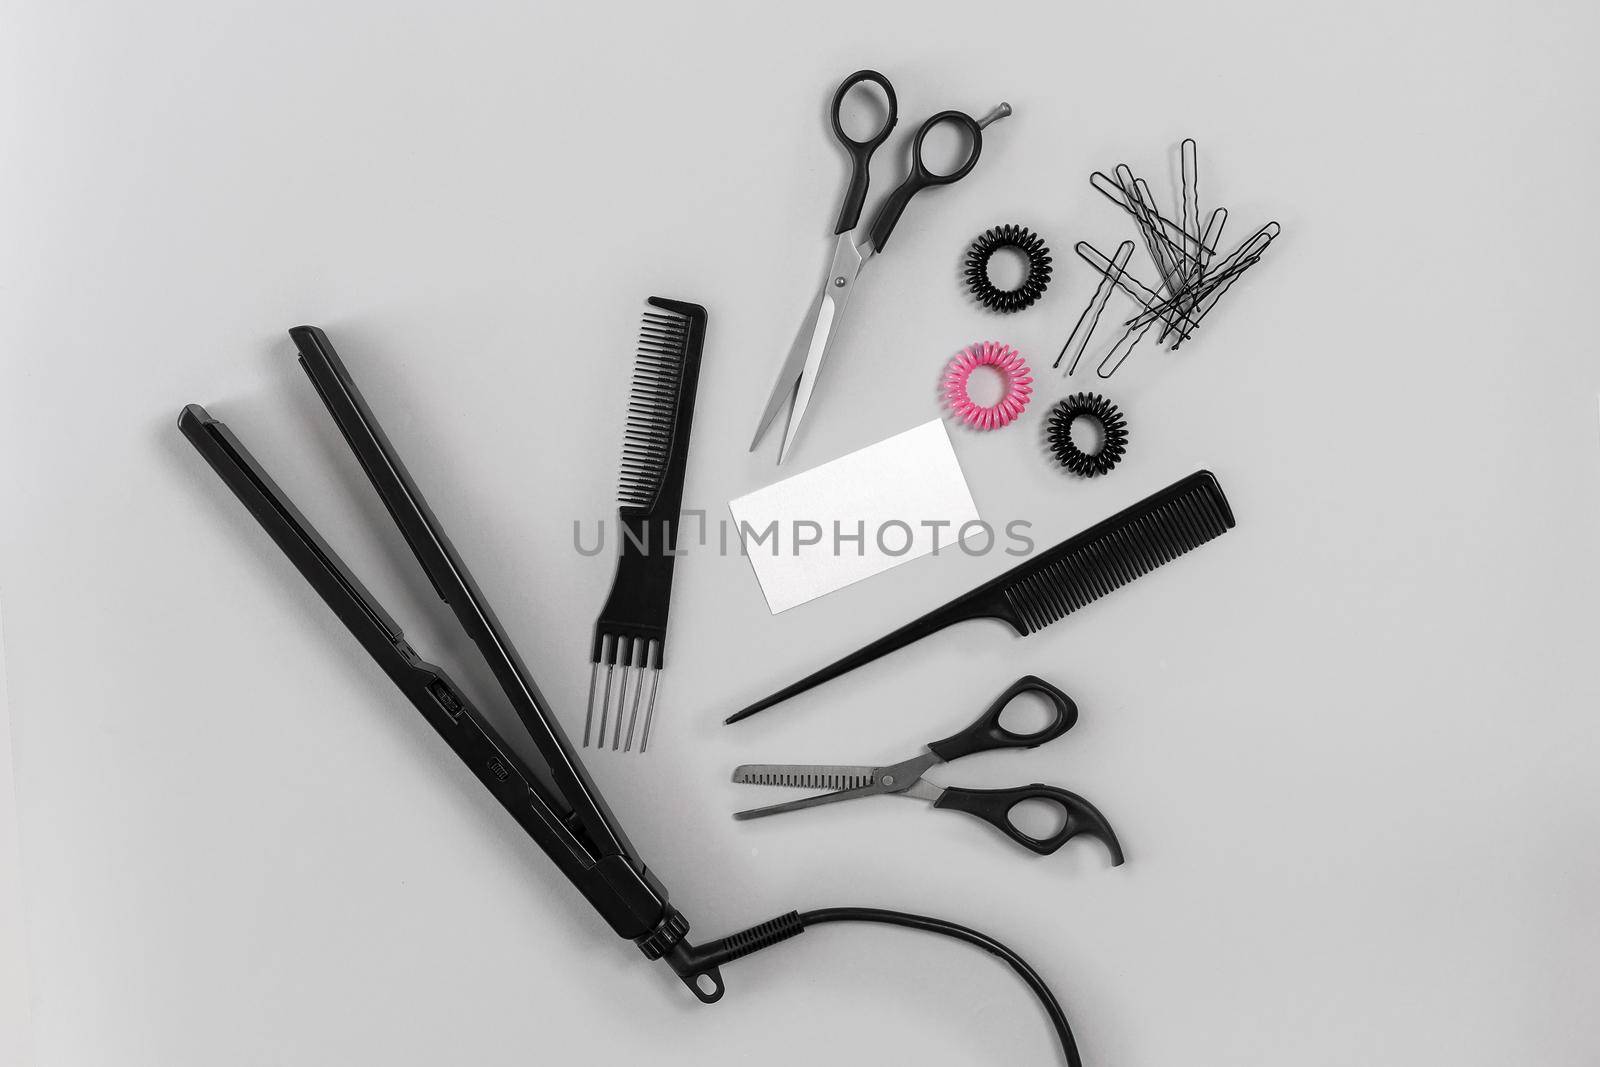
column 645, row 411
column 652, row 403
column 648, row 422
column 638, row 485
column 656, row 405
column 654, row 372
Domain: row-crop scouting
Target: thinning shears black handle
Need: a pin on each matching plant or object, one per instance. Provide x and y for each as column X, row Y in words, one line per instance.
column 921, row 177
column 994, row 806
column 986, row 734
column 860, row 151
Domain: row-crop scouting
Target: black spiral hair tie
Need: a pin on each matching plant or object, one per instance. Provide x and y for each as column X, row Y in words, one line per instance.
column 1113, row 427
column 1033, row 285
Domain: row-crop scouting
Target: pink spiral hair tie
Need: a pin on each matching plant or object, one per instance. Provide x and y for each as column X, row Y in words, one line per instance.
column 1018, row 385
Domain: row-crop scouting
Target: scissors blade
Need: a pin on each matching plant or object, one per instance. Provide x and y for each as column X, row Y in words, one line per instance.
column 836, row 289
column 788, row 374
column 808, row 802
column 805, row 775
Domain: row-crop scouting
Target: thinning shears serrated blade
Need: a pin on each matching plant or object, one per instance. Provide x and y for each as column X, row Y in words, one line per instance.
column 798, row 376
column 848, row 783
column 805, row 775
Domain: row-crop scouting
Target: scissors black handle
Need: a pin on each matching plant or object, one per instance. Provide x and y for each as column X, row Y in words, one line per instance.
column 987, row 734
column 994, row 806
column 860, row 151
column 921, row 177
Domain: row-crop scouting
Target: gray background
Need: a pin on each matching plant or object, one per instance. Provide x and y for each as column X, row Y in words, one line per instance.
column 1349, row 746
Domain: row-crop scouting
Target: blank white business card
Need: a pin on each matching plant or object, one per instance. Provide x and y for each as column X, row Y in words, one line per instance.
column 857, row 516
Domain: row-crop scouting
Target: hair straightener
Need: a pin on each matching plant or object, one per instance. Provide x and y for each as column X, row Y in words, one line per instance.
column 567, row 817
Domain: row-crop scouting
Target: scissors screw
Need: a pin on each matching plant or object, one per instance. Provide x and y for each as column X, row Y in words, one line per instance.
column 888, row 779
column 841, row 282
column 1001, row 110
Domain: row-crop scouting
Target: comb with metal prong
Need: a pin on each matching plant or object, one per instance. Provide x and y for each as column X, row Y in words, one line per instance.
column 631, row 632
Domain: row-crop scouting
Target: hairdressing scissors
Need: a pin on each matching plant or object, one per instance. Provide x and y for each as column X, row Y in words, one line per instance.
column 798, row 377
column 993, row 806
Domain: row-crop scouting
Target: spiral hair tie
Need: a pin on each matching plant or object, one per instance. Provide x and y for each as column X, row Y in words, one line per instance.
column 1113, row 427
column 1018, row 385
column 1033, row 285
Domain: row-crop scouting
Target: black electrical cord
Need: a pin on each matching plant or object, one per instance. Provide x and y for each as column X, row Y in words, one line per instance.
column 1052, row 1007
column 737, row 946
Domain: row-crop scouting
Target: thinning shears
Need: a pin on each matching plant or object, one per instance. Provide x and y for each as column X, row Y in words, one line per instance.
column 798, row 377
column 993, row 806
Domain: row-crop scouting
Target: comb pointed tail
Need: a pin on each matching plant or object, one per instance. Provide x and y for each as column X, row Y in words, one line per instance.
column 979, row 604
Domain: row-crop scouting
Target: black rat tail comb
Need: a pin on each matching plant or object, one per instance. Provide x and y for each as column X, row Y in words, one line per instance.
column 631, row 631
column 1059, row 581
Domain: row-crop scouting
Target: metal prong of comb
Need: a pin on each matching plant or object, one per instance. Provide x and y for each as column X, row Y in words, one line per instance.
column 650, row 664
column 650, row 712
column 610, row 656
column 588, row 717
column 622, row 703
column 633, row 714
